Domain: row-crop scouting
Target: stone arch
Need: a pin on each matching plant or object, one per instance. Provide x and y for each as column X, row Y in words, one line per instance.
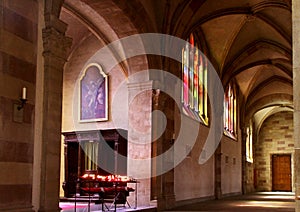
column 108, row 27
column 268, row 101
column 274, row 137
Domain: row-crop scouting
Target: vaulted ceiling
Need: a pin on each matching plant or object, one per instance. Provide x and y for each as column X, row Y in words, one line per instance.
column 248, row 41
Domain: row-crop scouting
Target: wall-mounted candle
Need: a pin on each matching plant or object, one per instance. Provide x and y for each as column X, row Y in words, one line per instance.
column 24, row 93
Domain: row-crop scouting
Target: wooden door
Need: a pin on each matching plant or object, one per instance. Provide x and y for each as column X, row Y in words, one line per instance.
column 71, row 169
column 281, row 173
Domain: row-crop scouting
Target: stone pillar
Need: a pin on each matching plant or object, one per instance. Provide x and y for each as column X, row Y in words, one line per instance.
column 48, row 112
column 296, row 96
column 164, row 183
column 244, row 161
column 218, row 172
column 139, row 139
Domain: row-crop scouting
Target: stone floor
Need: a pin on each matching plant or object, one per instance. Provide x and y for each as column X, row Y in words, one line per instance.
column 257, row 202
column 92, row 207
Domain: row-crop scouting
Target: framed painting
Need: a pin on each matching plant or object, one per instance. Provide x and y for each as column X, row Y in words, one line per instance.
column 93, row 92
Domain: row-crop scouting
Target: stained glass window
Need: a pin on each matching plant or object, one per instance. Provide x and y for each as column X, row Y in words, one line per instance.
column 194, row 76
column 230, row 111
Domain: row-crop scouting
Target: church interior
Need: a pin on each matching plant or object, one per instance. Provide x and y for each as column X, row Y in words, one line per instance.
column 174, row 101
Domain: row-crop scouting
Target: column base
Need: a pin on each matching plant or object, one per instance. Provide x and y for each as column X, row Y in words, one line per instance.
column 218, row 193
column 25, row 209
column 166, row 202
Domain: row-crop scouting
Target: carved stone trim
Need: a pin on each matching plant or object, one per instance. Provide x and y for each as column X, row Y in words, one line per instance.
column 56, row 44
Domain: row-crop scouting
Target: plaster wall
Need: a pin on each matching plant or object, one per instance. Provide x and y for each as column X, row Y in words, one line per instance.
column 197, row 181
column 231, row 163
column 191, row 179
column 73, row 71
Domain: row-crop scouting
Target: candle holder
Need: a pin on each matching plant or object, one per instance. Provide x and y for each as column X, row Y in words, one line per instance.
column 22, row 103
column 22, row 99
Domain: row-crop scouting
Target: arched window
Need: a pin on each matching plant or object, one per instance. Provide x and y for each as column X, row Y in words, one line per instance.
column 194, row 76
column 230, row 111
column 249, row 144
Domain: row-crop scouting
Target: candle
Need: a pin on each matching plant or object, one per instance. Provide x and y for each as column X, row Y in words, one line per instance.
column 24, row 93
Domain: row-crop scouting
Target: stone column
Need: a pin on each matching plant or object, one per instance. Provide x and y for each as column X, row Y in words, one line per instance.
column 49, row 111
column 139, row 139
column 244, row 161
column 164, row 182
column 218, row 172
column 296, row 96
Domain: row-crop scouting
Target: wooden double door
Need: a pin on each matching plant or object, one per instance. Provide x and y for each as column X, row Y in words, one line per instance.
column 281, row 173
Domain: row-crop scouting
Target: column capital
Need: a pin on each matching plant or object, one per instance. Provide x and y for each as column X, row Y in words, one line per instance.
column 56, row 44
column 140, row 86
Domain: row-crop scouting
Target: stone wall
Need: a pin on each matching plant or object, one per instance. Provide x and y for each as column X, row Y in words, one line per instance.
column 18, row 43
column 275, row 137
column 249, row 175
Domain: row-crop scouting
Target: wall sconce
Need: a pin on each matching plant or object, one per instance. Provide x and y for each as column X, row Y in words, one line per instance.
column 23, row 99
column 173, row 138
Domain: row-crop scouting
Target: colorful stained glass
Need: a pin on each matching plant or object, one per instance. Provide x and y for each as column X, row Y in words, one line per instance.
column 185, row 79
column 191, row 72
column 201, row 82
column 194, row 76
column 205, row 82
column 230, row 110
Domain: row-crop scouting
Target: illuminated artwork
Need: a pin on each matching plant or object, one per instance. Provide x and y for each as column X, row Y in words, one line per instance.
column 93, row 94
